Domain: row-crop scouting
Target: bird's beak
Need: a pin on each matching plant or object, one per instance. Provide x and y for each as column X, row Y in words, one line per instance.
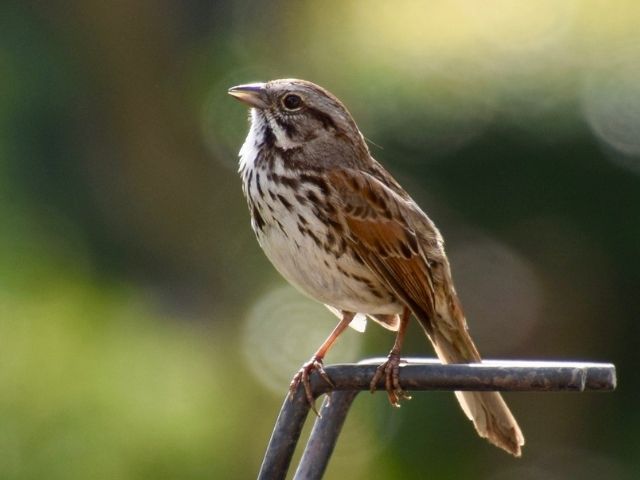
column 253, row 94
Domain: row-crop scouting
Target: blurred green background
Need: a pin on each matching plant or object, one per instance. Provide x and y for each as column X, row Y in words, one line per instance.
column 143, row 334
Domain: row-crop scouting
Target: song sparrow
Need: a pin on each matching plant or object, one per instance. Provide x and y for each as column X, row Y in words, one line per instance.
column 338, row 227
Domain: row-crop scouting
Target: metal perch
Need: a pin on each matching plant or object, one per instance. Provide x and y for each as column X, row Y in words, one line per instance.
column 416, row 374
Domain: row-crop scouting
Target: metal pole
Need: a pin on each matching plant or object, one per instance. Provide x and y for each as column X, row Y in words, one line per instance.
column 416, row 374
column 324, row 435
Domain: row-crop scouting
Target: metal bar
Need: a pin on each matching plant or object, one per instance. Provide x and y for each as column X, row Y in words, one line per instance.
column 284, row 437
column 324, row 435
column 415, row 374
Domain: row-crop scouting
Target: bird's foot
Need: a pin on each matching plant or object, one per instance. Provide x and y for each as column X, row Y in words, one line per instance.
column 303, row 377
column 390, row 371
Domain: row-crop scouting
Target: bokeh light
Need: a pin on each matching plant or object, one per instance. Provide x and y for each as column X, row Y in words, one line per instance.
column 611, row 102
column 501, row 294
column 281, row 332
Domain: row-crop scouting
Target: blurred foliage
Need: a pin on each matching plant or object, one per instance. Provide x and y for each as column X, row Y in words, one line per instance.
column 137, row 313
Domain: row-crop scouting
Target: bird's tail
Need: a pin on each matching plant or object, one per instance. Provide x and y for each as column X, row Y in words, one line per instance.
column 487, row 410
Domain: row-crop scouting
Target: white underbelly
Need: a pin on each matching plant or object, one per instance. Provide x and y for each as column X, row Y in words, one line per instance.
column 304, row 265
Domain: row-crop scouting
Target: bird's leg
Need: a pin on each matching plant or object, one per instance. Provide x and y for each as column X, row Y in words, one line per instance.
column 315, row 363
column 390, row 369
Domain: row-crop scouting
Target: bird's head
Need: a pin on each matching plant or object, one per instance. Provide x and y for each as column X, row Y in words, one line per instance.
column 298, row 113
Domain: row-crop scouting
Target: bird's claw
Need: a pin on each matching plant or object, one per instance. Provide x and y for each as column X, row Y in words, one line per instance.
column 390, row 370
column 303, row 376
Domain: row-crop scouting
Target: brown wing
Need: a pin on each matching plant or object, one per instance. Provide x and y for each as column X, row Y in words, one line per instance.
column 379, row 226
column 403, row 247
column 397, row 240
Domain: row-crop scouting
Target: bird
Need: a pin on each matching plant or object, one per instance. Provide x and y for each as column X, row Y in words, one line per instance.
column 338, row 227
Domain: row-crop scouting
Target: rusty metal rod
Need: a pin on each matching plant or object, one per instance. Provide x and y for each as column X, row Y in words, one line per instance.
column 325, row 434
column 415, row 374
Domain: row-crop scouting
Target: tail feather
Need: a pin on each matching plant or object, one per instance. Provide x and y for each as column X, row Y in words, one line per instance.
column 493, row 419
column 487, row 410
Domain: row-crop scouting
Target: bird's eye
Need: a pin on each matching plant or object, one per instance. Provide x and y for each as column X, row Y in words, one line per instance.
column 292, row 102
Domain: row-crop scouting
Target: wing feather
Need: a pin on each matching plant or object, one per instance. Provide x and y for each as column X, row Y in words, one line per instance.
column 375, row 220
column 398, row 242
